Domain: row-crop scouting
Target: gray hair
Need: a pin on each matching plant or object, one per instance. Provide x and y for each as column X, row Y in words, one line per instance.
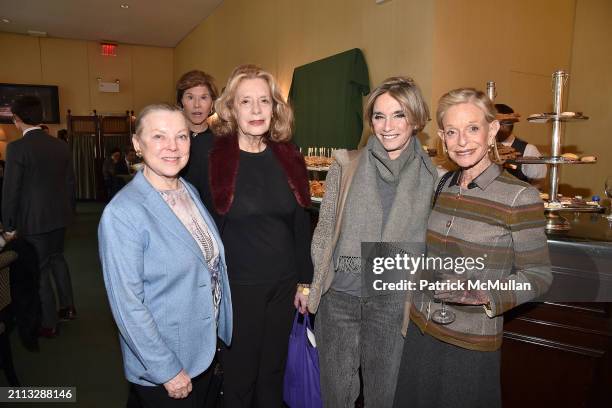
column 156, row 107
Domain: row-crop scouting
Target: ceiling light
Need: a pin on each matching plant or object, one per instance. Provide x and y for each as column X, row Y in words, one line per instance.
column 6, row 20
column 36, row 33
column 125, row 6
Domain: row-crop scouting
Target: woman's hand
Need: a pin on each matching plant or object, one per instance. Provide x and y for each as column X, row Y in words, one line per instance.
column 180, row 386
column 301, row 301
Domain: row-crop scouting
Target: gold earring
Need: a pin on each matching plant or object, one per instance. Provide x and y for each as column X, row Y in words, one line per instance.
column 139, row 154
column 493, row 146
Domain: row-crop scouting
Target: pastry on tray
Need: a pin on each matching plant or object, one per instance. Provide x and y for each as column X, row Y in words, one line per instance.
column 317, row 188
column 507, row 152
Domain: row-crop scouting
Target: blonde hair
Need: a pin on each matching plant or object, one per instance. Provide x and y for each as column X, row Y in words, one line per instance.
column 407, row 93
column 465, row 95
column 156, row 107
column 282, row 114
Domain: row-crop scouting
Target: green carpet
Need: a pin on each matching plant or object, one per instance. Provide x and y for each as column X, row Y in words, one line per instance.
column 86, row 354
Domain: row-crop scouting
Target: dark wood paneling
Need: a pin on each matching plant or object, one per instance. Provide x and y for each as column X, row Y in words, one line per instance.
column 557, row 355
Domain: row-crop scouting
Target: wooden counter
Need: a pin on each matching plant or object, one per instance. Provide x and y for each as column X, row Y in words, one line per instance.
column 558, row 354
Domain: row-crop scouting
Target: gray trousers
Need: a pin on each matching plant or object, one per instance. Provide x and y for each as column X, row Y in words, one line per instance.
column 50, row 251
column 353, row 332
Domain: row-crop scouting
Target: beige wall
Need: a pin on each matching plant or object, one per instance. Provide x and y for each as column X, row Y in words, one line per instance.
column 590, row 91
column 287, row 34
column 518, row 46
column 396, row 37
column 443, row 44
column 145, row 74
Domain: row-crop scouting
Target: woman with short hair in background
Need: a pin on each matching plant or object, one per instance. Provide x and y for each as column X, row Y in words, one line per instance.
column 481, row 211
column 196, row 94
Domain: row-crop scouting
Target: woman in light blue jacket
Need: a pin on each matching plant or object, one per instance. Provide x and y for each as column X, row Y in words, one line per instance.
column 164, row 270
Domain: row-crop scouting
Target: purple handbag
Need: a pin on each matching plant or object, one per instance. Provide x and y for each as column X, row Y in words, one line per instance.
column 302, row 386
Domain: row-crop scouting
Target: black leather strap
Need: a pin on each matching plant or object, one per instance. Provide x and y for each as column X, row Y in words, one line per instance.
column 440, row 186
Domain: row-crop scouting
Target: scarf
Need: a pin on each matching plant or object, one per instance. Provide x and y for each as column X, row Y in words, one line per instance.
column 364, row 212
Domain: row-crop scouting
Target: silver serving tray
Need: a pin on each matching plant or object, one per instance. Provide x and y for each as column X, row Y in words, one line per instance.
column 581, row 209
column 547, row 160
column 563, row 117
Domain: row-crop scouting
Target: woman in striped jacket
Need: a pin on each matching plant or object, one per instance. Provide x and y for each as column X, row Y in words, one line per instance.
column 485, row 214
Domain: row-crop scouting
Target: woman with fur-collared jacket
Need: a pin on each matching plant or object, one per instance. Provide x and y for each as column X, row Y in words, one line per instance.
column 380, row 193
column 257, row 190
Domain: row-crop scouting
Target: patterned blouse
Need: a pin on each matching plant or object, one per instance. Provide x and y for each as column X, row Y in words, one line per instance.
column 187, row 212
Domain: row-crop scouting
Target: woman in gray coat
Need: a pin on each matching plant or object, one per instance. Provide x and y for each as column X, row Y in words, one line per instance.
column 380, row 193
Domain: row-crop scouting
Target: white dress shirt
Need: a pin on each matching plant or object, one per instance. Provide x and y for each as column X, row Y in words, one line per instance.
column 31, row 128
column 532, row 171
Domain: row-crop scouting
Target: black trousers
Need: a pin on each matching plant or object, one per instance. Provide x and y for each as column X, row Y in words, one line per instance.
column 50, row 252
column 254, row 364
column 437, row 374
column 25, row 281
column 157, row 397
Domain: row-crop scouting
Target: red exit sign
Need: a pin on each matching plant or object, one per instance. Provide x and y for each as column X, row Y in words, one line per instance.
column 109, row 50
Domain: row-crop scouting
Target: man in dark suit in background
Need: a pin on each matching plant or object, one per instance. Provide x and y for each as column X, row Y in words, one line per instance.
column 38, row 203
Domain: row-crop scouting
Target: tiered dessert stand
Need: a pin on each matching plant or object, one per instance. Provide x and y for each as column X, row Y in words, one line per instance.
column 554, row 221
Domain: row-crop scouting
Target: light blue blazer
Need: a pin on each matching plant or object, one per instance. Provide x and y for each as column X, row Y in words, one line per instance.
column 159, row 286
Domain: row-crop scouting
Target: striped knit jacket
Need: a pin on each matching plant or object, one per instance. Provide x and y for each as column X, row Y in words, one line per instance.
column 500, row 219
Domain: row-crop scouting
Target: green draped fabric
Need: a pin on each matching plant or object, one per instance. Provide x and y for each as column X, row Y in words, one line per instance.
column 327, row 99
